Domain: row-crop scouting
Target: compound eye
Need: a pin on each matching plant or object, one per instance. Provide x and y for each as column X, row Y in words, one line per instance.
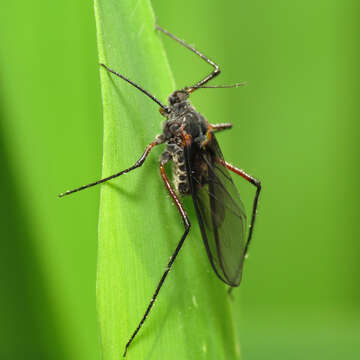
column 178, row 97
column 173, row 99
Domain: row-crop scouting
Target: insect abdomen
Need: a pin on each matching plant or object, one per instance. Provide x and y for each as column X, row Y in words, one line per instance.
column 180, row 178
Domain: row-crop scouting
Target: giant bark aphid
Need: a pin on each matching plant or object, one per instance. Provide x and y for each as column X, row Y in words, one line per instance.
column 199, row 170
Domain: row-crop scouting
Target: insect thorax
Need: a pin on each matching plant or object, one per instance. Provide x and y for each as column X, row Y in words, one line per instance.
column 183, row 119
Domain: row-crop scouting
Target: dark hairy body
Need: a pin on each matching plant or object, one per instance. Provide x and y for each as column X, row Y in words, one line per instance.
column 184, row 124
column 199, row 170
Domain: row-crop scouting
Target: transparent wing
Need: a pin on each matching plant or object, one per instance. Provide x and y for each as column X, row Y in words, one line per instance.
column 220, row 211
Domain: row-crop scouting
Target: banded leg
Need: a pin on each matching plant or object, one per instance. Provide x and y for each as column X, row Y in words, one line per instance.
column 254, row 182
column 142, row 159
column 214, row 73
column 187, row 226
column 220, row 127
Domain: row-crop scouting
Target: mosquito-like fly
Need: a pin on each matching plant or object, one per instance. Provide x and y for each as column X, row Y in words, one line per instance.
column 199, row 170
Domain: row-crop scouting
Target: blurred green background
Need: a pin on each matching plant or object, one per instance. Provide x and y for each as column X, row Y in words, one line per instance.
column 296, row 127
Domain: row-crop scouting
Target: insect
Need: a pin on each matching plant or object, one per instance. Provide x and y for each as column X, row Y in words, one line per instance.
column 199, row 170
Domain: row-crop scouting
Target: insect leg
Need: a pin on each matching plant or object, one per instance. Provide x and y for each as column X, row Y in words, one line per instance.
column 187, row 226
column 220, row 127
column 256, row 183
column 214, row 128
column 142, row 159
column 152, row 97
column 214, row 73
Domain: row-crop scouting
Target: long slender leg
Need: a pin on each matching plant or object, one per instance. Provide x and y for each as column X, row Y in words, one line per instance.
column 220, row 127
column 142, row 159
column 152, row 97
column 236, row 85
column 214, row 128
column 187, row 226
column 256, row 183
column 214, row 73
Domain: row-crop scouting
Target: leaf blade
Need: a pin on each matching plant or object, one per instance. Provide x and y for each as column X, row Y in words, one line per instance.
column 138, row 226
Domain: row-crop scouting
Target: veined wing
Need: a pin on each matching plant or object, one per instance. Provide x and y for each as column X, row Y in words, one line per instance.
column 220, row 211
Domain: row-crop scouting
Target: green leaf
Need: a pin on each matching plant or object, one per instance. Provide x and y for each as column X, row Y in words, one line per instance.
column 139, row 227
